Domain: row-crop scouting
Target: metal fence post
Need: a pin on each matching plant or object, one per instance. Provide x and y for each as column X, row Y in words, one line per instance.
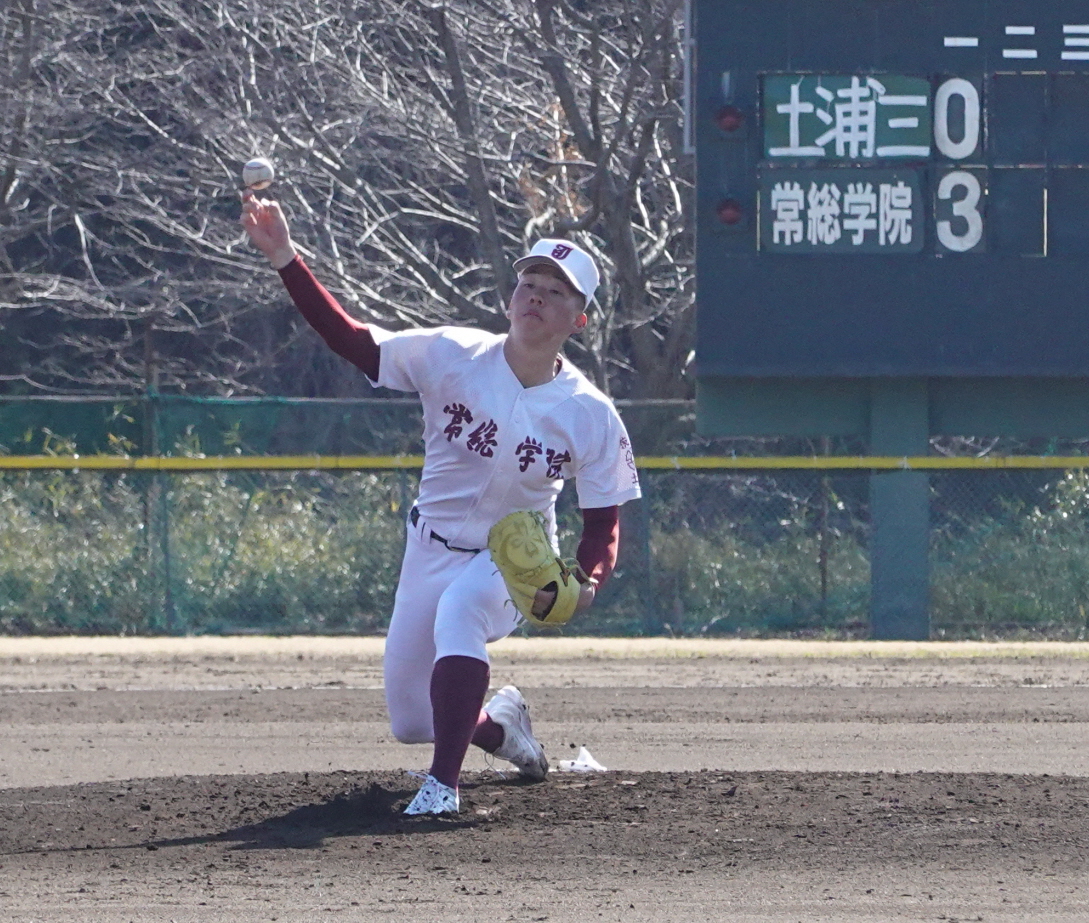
column 169, row 613
column 402, row 482
column 161, row 486
column 652, row 616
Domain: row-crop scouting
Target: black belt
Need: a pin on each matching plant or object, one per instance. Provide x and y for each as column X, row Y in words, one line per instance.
column 414, row 518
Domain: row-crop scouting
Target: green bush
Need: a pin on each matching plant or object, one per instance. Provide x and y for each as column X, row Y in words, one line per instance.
column 133, row 553
column 138, row 553
column 297, row 554
column 1023, row 572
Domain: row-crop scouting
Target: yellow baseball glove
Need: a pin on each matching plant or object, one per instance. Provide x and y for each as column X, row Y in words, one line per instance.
column 521, row 550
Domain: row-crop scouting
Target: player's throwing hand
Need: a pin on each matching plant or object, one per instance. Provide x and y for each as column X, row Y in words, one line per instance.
column 264, row 221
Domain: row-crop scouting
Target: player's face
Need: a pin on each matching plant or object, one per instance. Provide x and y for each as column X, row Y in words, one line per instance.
column 545, row 304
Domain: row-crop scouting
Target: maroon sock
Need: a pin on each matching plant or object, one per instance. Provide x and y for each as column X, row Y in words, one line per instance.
column 489, row 735
column 458, row 687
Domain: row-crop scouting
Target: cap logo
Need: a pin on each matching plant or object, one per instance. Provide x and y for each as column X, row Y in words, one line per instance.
column 560, row 252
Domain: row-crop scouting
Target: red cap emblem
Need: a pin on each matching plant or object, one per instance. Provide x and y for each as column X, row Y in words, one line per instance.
column 560, row 252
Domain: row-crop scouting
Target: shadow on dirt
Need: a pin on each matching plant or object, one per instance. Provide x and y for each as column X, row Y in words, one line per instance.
column 279, row 811
column 375, row 810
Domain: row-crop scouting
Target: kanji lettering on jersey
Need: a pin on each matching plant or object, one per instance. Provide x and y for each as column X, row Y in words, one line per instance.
column 482, row 439
column 460, row 415
column 528, row 450
column 556, row 461
column 629, row 458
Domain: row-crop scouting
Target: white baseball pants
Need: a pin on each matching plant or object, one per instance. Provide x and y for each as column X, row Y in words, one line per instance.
column 447, row 603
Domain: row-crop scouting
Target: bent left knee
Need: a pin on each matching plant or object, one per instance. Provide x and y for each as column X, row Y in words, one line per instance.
column 412, row 732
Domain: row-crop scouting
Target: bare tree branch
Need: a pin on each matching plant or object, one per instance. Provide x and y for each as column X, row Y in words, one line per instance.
column 420, row 147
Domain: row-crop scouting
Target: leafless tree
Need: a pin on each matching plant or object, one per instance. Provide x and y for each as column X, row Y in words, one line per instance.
column 110, row 280
column 498, row 122
column 421, row 146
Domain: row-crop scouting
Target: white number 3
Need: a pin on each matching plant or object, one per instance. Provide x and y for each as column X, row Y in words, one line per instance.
column 966, row 207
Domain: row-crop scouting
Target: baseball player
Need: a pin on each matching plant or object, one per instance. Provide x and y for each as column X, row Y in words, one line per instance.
column 507, row 420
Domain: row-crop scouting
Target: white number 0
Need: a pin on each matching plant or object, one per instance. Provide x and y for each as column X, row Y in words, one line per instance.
column 966, row 208
column 966, row 146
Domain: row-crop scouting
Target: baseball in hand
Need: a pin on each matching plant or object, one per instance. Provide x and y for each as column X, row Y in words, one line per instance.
column 258, row 174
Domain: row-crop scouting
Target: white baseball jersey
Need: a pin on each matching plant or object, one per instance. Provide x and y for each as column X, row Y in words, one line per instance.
column 493, row 446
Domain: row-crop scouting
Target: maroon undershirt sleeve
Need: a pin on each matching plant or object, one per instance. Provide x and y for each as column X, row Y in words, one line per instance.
column 599, row 543
column 345, row 335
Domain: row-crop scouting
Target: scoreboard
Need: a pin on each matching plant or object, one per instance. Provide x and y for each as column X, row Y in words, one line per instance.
column 892, row 188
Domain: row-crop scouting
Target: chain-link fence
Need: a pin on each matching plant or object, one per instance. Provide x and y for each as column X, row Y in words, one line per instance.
column 706, row 552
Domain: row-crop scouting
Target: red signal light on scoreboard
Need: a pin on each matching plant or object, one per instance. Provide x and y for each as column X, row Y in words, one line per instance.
column 729, row 118
column 730, row 212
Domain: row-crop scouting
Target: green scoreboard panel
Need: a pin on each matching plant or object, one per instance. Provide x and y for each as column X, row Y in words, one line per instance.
column 892, row 188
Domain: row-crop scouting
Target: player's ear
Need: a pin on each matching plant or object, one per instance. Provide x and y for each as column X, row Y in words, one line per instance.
column 580, row 322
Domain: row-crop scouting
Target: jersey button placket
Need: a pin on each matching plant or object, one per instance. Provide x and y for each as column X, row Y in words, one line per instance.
column 506, row 467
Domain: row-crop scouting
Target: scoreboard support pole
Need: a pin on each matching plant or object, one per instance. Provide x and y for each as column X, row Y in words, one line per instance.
column 900, row 513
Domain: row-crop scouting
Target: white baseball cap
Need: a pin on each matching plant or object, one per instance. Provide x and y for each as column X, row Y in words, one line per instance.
column 576, row 264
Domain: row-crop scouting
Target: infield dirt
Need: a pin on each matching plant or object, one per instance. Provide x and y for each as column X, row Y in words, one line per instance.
column 241, row 780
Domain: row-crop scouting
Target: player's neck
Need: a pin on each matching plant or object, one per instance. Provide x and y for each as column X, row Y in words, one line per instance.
column 531, row 367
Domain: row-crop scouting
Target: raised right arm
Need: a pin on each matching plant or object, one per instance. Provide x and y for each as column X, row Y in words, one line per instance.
column 345, row 335
column 266, row 225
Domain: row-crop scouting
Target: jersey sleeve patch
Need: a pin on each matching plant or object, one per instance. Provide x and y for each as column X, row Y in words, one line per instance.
column 607, row 474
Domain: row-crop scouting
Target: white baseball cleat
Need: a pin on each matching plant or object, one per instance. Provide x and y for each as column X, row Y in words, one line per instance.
column 434, row 798
column 508, row 709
